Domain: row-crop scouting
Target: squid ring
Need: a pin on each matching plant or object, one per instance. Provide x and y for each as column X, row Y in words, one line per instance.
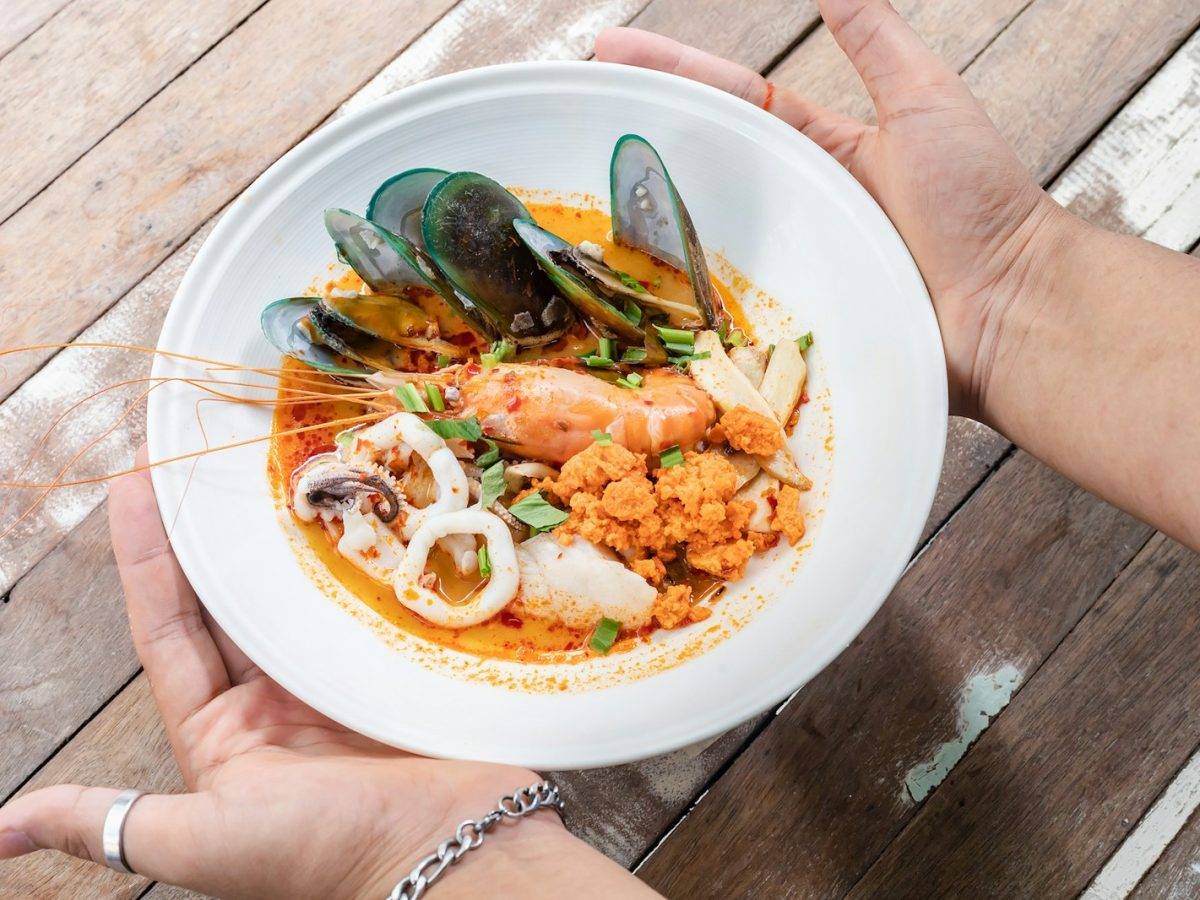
column 496, row 594
column 406, row 429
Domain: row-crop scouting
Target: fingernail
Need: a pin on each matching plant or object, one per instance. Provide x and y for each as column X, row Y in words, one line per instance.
column 15, row 843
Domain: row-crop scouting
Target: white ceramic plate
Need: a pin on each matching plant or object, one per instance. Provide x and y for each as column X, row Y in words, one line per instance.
column 762, row 196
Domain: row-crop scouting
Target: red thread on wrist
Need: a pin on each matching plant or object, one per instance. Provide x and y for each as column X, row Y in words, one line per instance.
column 770, row 96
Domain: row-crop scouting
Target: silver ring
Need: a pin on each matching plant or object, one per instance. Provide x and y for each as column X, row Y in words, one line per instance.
column 112, row 838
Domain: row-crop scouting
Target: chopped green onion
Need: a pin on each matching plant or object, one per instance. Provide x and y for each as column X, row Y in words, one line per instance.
column 443, row 360
column 632, row 381
column 461, row 429
column 606, row 347
column 605, row 635
column 676, row 347
column 503, row 350
column 723, row 332
column 598, row 362
column 804, row 341
column 683, row 361
column 633, row 355
column 491, row 485
column 770, row 349
column 601, row 437
column 737, row 337
column 535, row 512
column 485, row 562
column 633, row 312
column 671, row 457
column 630, row 282
column 342, row 438
column 435, row 397
column 676, row 336
column 488, row 360
column 489, row 456
column 407, row 395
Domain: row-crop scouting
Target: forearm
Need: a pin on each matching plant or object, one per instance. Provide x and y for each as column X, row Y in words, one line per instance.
column 1093, row 367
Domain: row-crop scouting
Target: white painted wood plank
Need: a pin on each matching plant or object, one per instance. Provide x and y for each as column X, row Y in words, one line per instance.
column 1146, row 843
column 1141, row 175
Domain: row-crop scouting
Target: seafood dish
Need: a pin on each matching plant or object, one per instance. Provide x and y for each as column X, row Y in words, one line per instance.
column 531, row 430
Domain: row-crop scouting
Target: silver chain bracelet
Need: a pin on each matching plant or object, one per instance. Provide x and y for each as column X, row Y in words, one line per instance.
column 470, row 835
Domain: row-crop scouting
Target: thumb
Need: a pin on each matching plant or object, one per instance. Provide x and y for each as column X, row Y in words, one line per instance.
column 70, row 818
column 895, row 64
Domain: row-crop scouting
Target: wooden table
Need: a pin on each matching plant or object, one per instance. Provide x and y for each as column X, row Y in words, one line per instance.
column 1019, row 719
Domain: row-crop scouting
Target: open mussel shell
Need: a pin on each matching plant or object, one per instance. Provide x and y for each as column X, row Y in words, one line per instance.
column 397, row 203
column 390, row 263
column 391, row 319
column 468, row 230
column 648, row 214
column 367, row 349
column 556, row 257
column 287, row 325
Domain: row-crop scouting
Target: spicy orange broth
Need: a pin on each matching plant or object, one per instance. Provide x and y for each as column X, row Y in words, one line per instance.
column 506, row 635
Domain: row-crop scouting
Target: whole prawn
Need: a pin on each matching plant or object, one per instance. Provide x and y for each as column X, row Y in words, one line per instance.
column 549, row 412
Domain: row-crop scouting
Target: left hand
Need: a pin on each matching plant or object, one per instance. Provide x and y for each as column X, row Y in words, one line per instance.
column 283, row 801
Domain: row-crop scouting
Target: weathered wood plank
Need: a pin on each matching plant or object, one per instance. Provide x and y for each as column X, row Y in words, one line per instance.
column 1146, row 843
column 23, row 19
column 1140, row 175
column 124, row 745
column 149, row 184
column 755, row 36
column 1176, row 874
column 91, row 66
column 841, row 769
column 1057, row 781
column 66, row 648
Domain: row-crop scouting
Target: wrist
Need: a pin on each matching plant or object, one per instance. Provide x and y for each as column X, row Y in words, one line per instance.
column 1039, row 252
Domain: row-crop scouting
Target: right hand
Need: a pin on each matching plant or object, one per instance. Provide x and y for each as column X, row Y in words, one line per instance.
column 974, row 219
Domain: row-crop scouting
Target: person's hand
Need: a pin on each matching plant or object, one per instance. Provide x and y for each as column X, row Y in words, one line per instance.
column 975, row 221
column 284, row 802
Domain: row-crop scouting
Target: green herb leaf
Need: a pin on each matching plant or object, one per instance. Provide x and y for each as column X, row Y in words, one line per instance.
column 671, row 457
column 633, row 355
column 491, row 485
column 503, row 350
column 676, row 336
column 632, row 312
column 435, row 397
column 490, row 455
column 804, row 341
column 601, row 437
column 409, row 398
column 462, row 429
column 535, row 512
column 485, row 562
column 442, row 360
column 630, row 282
column 605, row 635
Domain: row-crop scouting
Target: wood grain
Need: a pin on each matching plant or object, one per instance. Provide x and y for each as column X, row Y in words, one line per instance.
column 756, row 35
column 23, row 18
column 73, row 80
column 147, row 186
column 79, row 656
column 124, row 745
column 1176, row 874
column 834, row 776
column 1055, row 784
